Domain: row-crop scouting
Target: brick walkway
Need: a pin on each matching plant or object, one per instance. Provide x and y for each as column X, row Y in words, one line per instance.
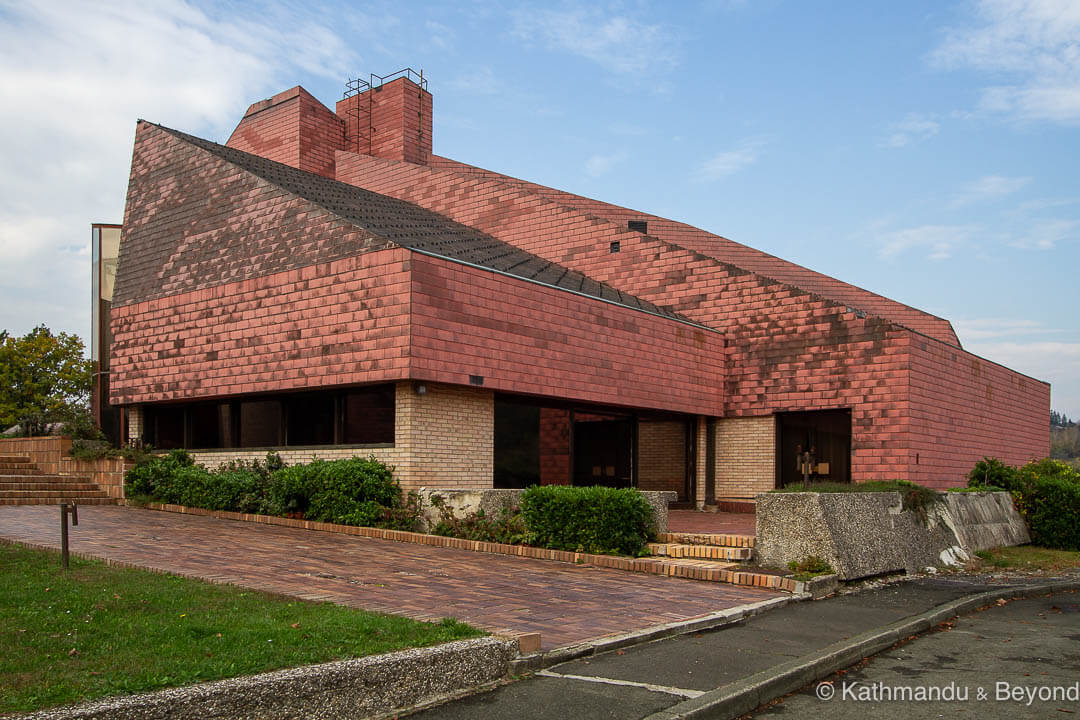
column 565, row 603
column 719, row 523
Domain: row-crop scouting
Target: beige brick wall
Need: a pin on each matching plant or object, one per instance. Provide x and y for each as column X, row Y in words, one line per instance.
column 701, row 434
column 443, row 438
column 745, row 456
column 662, row 455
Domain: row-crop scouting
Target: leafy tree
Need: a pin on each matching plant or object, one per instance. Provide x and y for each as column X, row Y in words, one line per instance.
column 44, row 379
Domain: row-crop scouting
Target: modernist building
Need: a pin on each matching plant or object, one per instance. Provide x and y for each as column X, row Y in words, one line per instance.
column 325, row 285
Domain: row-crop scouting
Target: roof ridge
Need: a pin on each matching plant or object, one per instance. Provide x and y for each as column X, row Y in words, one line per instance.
column 414, row 228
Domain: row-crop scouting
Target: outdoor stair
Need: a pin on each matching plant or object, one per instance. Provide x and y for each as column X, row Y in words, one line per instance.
column 714, row 557
column 24, row 483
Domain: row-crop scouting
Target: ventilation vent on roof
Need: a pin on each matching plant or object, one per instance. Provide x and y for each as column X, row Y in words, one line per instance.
column 476, row 379
column 641, row 226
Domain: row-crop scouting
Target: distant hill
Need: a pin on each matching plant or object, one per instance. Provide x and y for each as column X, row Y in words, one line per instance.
column 1064, row 438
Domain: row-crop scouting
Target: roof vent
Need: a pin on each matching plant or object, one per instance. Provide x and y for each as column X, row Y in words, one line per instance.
column 641, row 226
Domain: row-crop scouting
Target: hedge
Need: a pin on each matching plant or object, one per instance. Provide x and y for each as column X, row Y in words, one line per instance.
column 354, row 491
column 587, row 519
column 1046, row 492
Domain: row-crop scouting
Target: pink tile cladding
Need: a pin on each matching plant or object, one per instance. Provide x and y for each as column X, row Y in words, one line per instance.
column 335, row 323
column 470, row 323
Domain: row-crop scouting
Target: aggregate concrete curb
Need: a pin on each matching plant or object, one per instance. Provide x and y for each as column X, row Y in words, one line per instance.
column 344, row 689
column 720, row 618
column 742, row 696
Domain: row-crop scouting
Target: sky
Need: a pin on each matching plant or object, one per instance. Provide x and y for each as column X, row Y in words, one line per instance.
column 927, row 151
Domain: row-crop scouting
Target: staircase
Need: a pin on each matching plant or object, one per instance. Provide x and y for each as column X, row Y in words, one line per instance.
column 23, row 483
column 714, row 557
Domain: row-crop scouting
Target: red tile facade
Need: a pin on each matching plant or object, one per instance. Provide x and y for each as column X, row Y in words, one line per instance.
column 270, row 291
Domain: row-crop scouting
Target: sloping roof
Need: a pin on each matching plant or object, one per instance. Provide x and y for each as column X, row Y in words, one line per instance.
column 727, row 251
column 414, row 228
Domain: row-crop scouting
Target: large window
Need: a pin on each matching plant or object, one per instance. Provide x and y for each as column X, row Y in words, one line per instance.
column 357, row 416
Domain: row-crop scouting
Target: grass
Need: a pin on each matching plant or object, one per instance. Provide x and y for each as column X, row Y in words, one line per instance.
column 96, row 631
column 1029, row 558
column 915, row 497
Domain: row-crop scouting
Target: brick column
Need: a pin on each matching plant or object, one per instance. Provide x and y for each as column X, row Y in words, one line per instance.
column 700, row 452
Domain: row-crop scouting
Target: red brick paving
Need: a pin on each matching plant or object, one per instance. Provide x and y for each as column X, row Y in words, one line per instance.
column 566, row 603
column 719, row 523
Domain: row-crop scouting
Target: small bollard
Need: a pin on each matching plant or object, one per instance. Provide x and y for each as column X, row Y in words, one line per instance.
column 65, row 510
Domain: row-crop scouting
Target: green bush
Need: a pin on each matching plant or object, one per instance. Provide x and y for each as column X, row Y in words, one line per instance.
column 587, row 519
column 356, row 491
column 810, row 567
column 1052, row 510
column 991, row 473
column 1047, row 494
column 507, row 526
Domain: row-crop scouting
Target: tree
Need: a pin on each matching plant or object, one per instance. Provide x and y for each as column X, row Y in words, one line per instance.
column 44, row 379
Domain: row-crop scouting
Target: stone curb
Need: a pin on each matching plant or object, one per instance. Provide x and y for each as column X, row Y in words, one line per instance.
column 530, row 663
column 652, row 566
column 743, row 696
column 360, row 687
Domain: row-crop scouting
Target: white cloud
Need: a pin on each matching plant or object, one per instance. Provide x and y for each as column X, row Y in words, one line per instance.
column 912, row 129
column 74, row 77
column 598, row 165
column 1046, row 234
column 1035, row 45
column 729, row 162
column 1057, row 363
column 989, row 187
column 976, row 329
column 480, row 81
column 618, row 43
column 441, row 36
column 939, row 242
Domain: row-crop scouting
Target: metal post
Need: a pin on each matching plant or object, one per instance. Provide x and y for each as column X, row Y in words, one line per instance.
column 73, row 510
column 63, row 535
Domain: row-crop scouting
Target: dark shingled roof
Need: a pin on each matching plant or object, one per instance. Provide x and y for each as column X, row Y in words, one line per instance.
column 416, row 228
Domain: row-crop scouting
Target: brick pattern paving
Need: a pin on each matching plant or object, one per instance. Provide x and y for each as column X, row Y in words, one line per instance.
column 566, row 603
column 719, row 523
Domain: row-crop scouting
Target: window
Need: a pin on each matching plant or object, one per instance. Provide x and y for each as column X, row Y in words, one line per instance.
column 310, row 419
column 369, row 415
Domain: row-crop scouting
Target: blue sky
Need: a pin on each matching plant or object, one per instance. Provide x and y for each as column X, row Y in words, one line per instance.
column 923, row 150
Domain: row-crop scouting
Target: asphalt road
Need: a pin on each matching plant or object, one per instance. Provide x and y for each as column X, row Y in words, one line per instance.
column 1000, row 644
column 1018, row 660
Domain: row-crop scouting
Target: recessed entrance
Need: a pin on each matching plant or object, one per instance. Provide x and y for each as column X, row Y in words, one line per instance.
column 824, row 433
column 603, row 449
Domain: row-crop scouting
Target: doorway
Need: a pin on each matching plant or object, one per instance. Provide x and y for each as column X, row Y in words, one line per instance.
column 826, row 433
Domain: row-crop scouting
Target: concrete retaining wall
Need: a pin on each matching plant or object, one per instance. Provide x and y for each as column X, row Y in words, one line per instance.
column 347, row 688
column 492, row 501
column 864, row 534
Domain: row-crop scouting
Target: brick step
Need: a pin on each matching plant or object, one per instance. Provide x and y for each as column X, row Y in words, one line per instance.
column 42, row 478
column 57, row 492
column 14, row 458
column 15, row 468
column 28, row 484
column 78, row 499
column 716, row 571
column 725, row 540
column 701, row 552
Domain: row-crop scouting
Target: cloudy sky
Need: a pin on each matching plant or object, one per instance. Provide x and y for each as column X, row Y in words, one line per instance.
column 927, row 151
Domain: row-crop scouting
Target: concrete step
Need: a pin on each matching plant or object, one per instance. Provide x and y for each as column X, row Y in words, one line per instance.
column 35, row 484
column 19, row 468
column 58, row 492
column 720, row 540
column 701, row 552
column 78, row 499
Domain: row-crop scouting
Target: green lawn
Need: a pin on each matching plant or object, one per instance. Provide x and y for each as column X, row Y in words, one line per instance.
column 96, row 630
column 1029, row 558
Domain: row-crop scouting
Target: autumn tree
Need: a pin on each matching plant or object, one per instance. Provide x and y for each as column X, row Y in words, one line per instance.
column 44, row 379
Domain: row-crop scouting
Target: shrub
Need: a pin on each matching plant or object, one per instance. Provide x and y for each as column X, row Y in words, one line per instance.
column 1052, row 510
column 151, row 476
column 587, row 519
column 992, row 473
column 810, row 567
column 913, row 496
column 508, row 526
column 1047, row 494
